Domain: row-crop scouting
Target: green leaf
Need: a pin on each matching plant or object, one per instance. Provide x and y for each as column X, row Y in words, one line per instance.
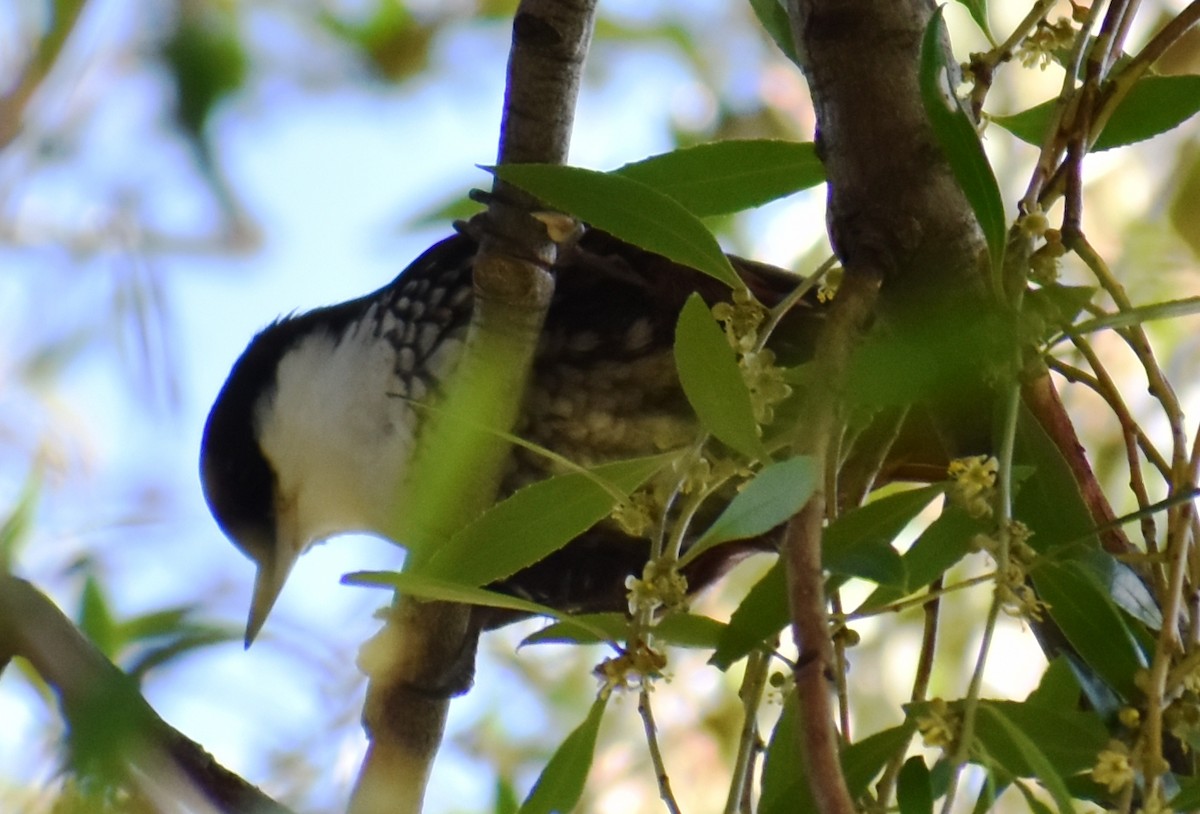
column 1021, row 754
column 914, row 791
column 956, row 133
column 536, row 521
column 944, row 543
column 627, row 209
column 1091, row 622
column 786, row 790
column 677, row 629
column 781, row 778
column 1155, row 104
column 863, row 760
column 96, row 618
column 1058, row 689
column 978, row 11
column 15, row 528
column 773, row 17
column 762, row 613
column 774, row 495
column 1068, row 739
column 859, row 543
column 423, row 587
column 561, row 783
column 712, row 380
column 1139, row 315
column 729, row 176
column 1049, row 502
column 1188, row 798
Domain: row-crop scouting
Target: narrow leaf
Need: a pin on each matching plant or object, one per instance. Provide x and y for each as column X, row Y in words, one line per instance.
column 561, row 783
column 774, row 18
column 1058, row 688
column 1003, row 737
column 629, row 210
column 678, row 630
column 775, row 494
column 1091, row 623
column 423, row 587
column 1155, row 104
column 914, row 793
column 944, row 543
column 859, row 543
column 536, row 521
column 762, row 613
column 978, row 11
column 1139, row 315
column 729, row 176
column 712, row 381
column 956, row 133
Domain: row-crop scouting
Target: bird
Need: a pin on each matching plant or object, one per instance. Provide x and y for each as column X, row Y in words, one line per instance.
column 313, row 429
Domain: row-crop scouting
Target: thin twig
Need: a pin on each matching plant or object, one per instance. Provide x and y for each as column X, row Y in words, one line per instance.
column 754, row 681
column 656, row 758
column 171, row 772
column 921, row 678
column 1004, row 498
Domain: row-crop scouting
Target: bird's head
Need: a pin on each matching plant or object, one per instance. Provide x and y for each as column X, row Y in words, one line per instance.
column 304, row 442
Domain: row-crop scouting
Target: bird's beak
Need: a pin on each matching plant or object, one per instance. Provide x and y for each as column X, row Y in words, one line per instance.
column 268, row 582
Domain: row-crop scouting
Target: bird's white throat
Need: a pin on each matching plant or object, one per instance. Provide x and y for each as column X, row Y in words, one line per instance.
column 336, row 436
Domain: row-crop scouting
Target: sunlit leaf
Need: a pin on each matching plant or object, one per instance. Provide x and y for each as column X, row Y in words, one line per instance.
column 96, row 618
column 775, row 494
column 1139, row 315
column 561, row 783
column 15, row 528
column 956, row 133
column 773, row 17
column 677, row 629
column 712, row 381
column 423, row 587
column 536, row 521
column 627, row 209
column 728, row 176
column 1155, row 104
column 978, row 11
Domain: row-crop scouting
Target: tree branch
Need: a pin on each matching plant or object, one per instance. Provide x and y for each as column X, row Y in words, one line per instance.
column 426, row 651
column 109, row 720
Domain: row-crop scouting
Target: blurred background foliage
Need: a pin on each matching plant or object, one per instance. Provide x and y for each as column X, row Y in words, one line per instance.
column 174, row 174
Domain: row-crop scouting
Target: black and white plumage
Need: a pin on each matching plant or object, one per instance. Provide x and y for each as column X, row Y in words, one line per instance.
column 307, row 438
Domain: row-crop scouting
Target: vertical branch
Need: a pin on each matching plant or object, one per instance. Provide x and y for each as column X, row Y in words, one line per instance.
column 426, row 651
column 817, row 661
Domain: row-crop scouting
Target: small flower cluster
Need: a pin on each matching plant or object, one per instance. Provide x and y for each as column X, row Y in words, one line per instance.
column 742, row 319
column 974, row 484
column 1037, row 50
column 1046, row 262
column 940, row 726
column 1012, row 588
column 661, row 586
column 1113, row 768
column 830, row 284
column 632, row 669
column 637, row 514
